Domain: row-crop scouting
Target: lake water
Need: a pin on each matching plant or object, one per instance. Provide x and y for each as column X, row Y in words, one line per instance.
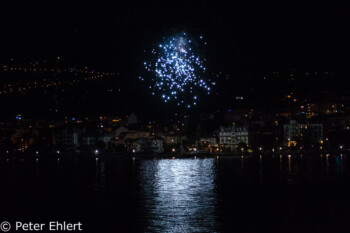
column 274, row 193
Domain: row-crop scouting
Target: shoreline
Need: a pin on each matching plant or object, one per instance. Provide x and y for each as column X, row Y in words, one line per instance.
column 108, row 155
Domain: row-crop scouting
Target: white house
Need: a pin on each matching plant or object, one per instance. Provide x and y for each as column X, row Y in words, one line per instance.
column 230, row 137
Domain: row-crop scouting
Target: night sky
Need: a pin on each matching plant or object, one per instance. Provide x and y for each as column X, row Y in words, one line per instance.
column 242, row 36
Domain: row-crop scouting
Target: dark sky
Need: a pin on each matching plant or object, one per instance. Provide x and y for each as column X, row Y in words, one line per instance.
column 241, row 36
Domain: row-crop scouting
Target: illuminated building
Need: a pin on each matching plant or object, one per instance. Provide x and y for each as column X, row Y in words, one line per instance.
column 208, row 144
column 302, row 134
column 230, row 137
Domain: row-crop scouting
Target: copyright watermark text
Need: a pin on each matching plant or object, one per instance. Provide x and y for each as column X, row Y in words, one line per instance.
column 6, row 226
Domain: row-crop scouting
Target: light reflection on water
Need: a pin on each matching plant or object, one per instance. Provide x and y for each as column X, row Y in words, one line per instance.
column 100, row 176
column 179, row 195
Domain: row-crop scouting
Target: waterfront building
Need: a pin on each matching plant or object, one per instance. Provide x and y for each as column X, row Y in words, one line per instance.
column 231, row 137
column 302, row 134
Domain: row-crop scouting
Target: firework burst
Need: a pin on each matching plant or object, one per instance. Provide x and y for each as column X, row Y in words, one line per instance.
column 178, row 70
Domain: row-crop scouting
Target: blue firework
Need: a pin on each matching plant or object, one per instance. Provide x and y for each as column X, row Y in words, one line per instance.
column 177, row 70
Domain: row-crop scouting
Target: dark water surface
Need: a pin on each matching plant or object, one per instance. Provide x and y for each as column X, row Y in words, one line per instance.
column 277, row 193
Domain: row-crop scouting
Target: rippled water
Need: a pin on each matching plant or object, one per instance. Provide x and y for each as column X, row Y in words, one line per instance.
column 178, row 195
column 274, row 193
